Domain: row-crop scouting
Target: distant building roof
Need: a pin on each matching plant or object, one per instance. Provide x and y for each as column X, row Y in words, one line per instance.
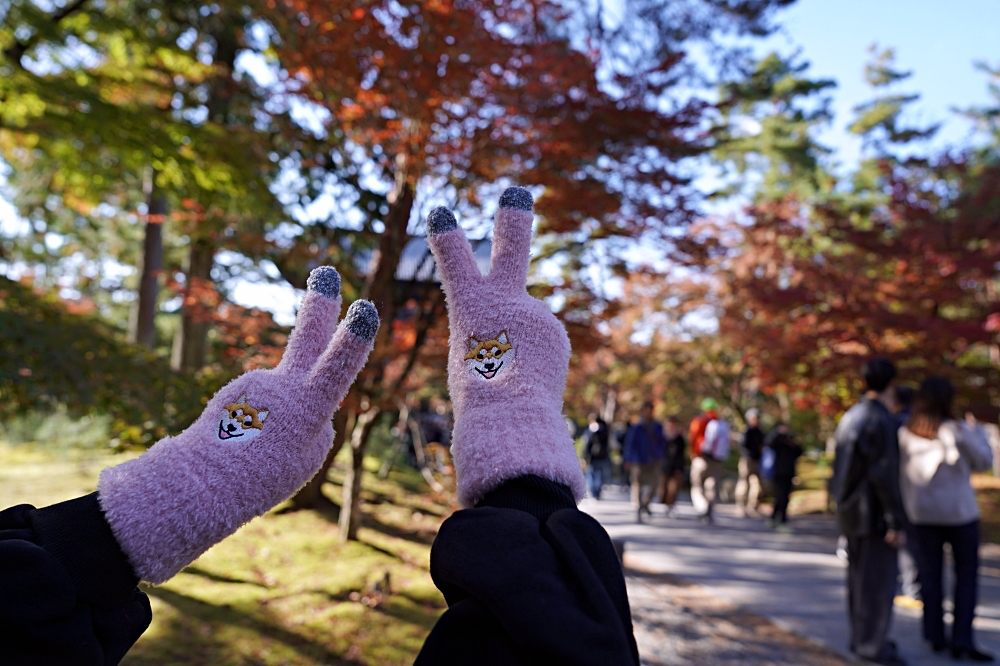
column 416, row 263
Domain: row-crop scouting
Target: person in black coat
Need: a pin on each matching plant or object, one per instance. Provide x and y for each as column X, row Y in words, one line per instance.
column 748, row 488
column 674, row 463
column 870, row 513
column 68, row 594
column 596, row 453
column 786, row 452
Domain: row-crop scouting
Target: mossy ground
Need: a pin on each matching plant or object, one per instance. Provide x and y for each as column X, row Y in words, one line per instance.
column 282, row 590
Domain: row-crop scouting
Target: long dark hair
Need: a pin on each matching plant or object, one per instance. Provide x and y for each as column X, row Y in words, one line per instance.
column 931, row 406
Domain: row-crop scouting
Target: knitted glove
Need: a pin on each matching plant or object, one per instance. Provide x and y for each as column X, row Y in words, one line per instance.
column 259, row 440
column 507, row 361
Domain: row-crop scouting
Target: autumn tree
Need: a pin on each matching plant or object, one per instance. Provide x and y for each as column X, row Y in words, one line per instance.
column 432, row 100
column 74, row 89
column 898, row 259
column 377, row 110
column 660, row 349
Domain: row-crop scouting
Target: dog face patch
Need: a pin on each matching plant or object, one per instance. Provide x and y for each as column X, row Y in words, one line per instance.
column 486, row 359
column 240, row 422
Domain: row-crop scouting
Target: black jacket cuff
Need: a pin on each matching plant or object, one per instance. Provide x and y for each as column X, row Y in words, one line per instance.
column 77, row 534
column 532, row 494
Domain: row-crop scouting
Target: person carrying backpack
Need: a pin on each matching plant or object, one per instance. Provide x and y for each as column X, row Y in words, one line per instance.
column 786, row 452
column 709, row 448
column 595, row 454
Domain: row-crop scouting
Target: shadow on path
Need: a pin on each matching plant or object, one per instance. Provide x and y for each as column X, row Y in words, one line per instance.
column 793, row 578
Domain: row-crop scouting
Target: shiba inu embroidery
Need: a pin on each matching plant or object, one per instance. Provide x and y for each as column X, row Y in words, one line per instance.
column 487, row 358
column 241, row 420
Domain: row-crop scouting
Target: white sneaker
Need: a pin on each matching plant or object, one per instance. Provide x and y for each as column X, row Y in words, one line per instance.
column 842, row 547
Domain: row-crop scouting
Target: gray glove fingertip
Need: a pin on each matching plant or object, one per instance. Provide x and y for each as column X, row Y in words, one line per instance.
column 325, row 280
column 362, row 320
column 517, row 198
column 440, row 220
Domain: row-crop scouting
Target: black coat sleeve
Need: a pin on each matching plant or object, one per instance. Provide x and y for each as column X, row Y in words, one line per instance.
column 529, row 579
column 68, row 595
column 880, row 445
column 866, row 472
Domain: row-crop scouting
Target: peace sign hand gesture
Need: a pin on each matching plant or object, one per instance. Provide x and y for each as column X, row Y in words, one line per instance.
column 259, row 440
column 507, row 360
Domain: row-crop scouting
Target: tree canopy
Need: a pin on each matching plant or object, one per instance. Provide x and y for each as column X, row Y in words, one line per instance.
column 898, row 258
column 160, row 154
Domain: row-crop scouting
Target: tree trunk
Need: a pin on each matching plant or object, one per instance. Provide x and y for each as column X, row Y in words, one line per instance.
column 380, row 282
column 311, row 496
column 610, row 405
column 784, row 405
column 142, row 323
column 379, row 288
column 191, row 342
column 350, row 507
column 196, row 313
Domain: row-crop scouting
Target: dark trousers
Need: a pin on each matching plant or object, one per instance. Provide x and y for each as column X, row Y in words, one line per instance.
column 872, row 566
column 670, row 485
column 598, row 473
column 782, row 491
column 964, row 540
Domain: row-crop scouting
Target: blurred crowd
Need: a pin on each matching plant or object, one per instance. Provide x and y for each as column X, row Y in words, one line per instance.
column 900, row 487
column 656, row 458
column 900, row 484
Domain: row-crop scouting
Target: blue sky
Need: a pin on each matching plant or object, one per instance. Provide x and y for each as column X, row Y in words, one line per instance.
column 939, row 41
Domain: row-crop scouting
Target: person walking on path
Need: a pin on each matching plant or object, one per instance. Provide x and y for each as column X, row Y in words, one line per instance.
column 595, row 453
column 786, row 453
column 870, row 513
column 709, row 447
column 749, row 485
column 673, row 464
column 643, row 453
column 937, row 454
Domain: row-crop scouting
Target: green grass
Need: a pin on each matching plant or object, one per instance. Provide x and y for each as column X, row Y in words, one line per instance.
column 988, row 493
column 281, row 590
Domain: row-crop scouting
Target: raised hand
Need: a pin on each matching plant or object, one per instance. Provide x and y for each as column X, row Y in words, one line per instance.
column 259, row 440
column 507, row 360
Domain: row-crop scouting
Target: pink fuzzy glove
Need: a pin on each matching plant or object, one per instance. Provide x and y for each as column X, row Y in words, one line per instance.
column 259, row 440
column 507, row 361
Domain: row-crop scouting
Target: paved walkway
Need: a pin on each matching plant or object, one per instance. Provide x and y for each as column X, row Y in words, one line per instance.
column 681, row 624
column 794, row 579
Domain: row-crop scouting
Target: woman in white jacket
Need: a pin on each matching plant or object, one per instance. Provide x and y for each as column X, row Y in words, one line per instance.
column 937, row 455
